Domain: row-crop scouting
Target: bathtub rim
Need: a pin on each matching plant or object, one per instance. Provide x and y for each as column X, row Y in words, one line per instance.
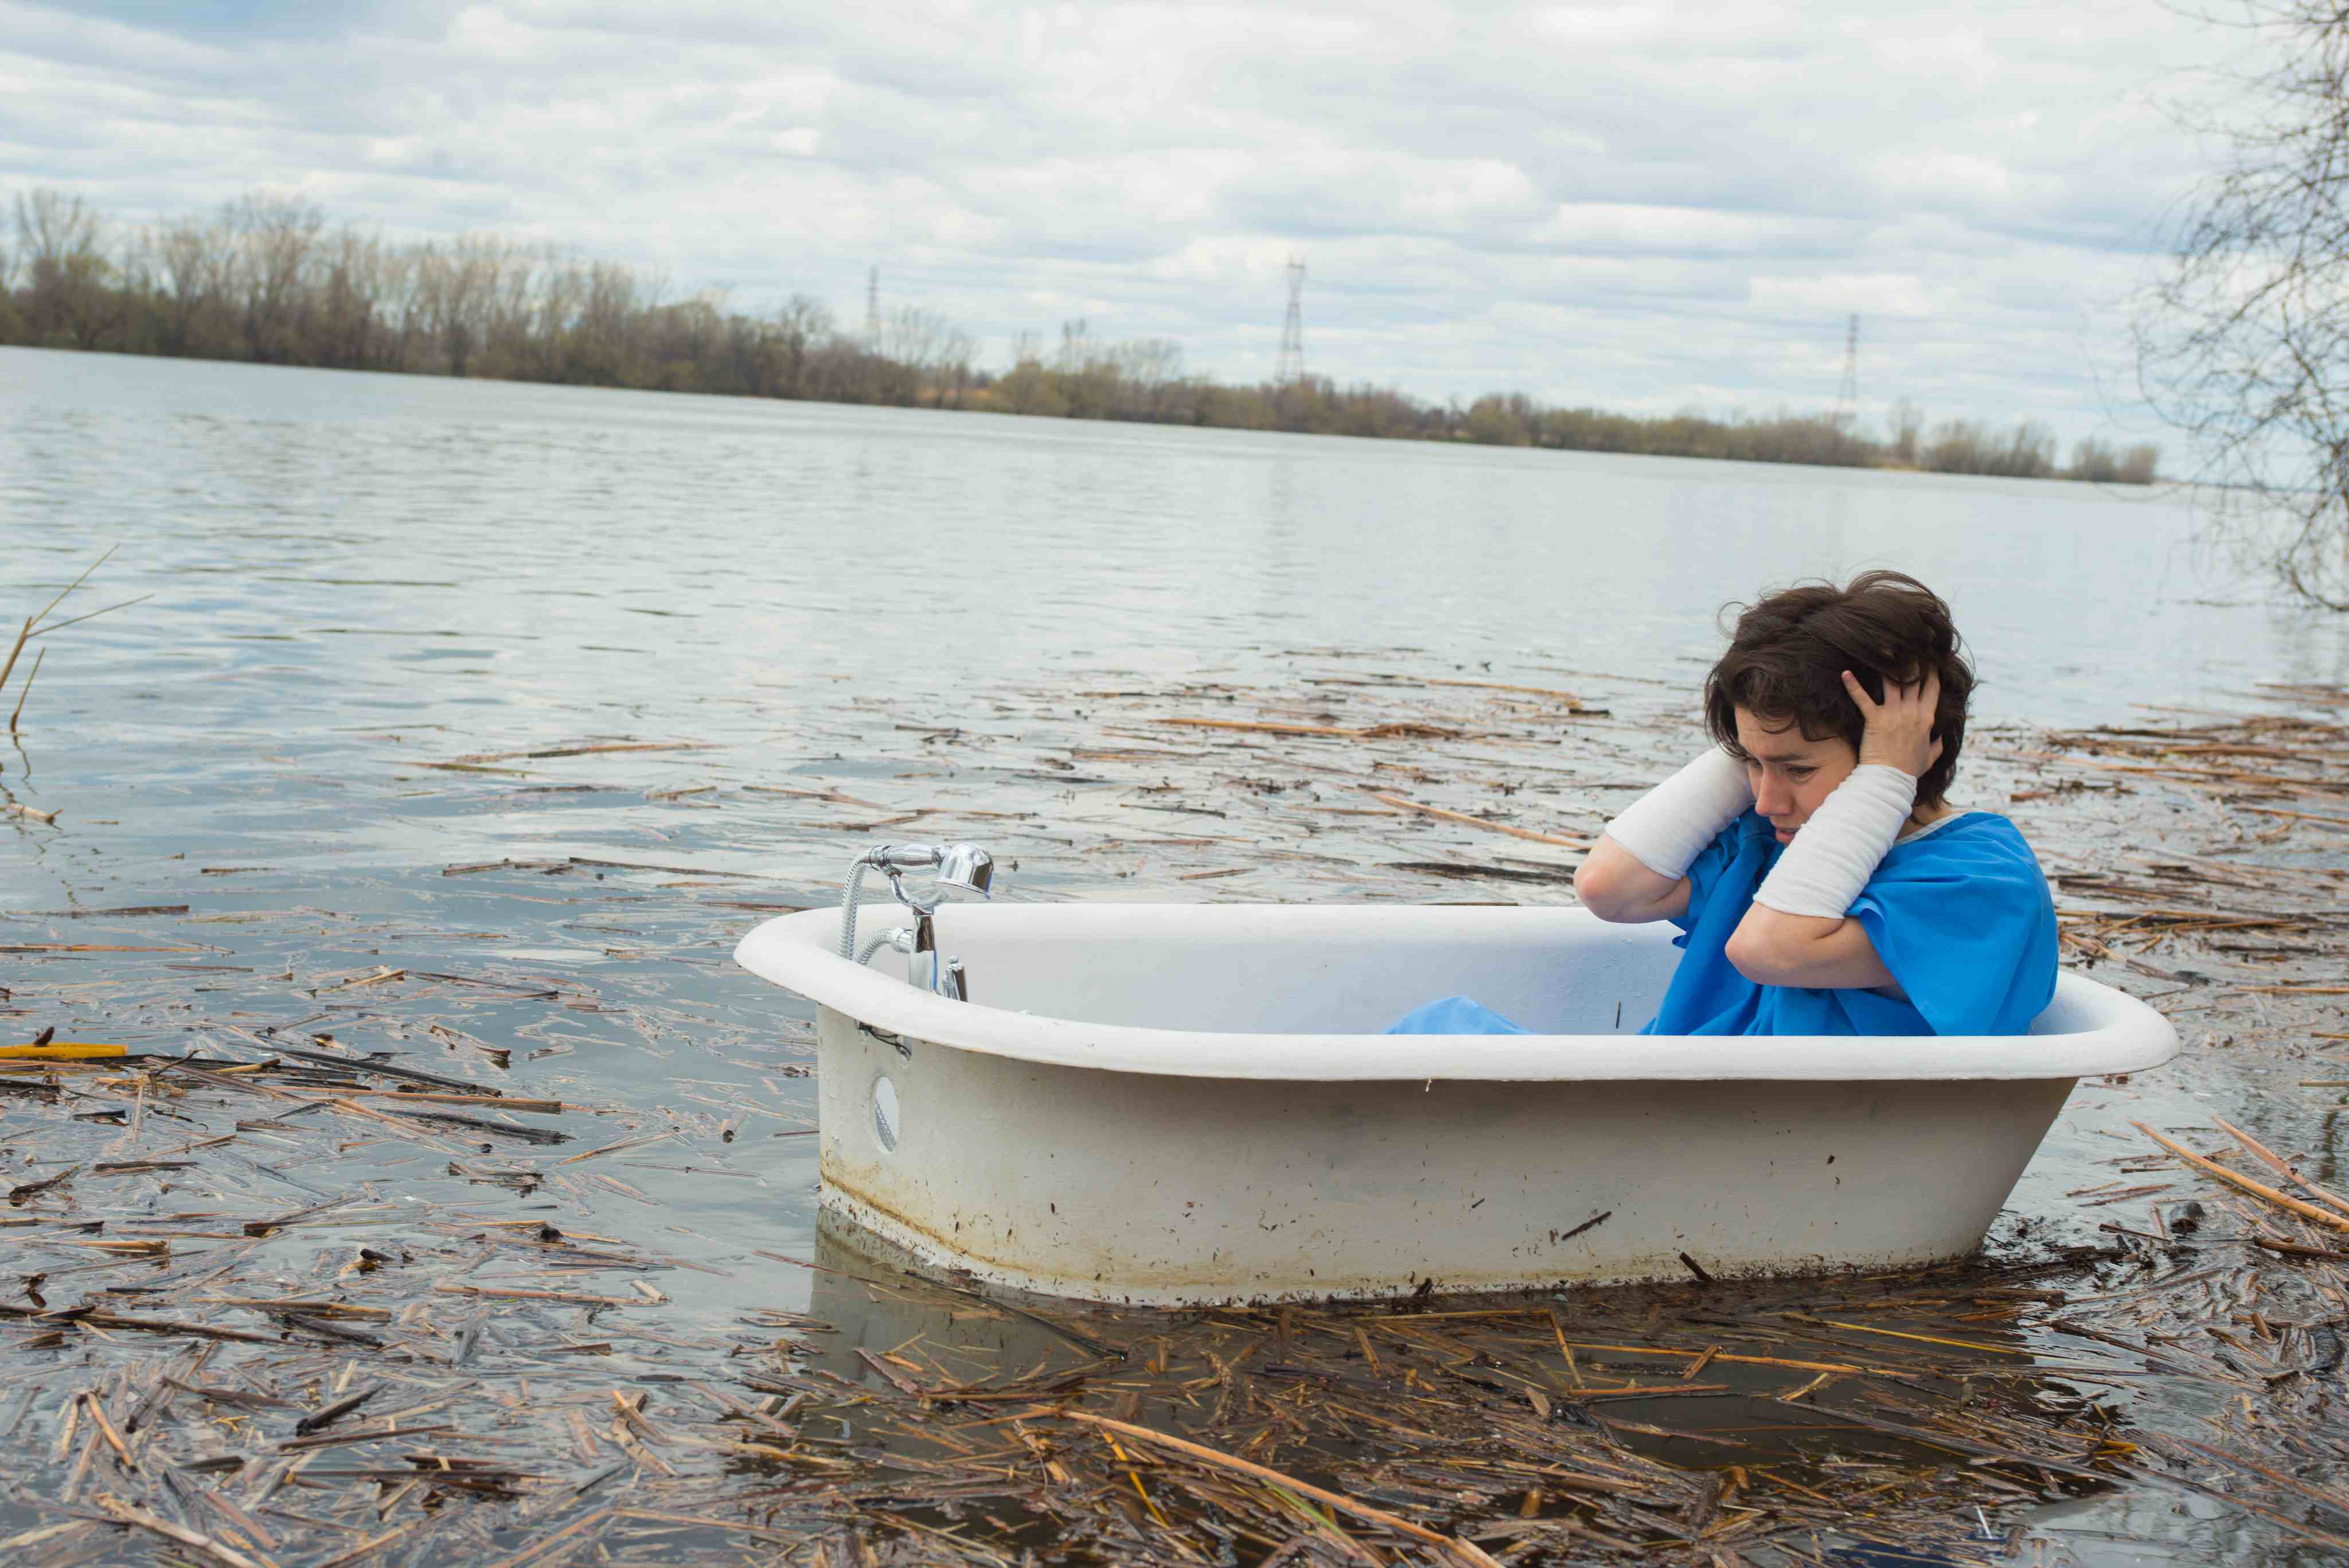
column 797, row 951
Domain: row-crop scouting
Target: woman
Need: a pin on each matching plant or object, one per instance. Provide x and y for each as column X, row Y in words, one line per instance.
column 1823, row 883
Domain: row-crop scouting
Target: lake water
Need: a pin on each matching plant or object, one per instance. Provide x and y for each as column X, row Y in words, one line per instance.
column 353, row 575
column 538, row 557
column 848, row 615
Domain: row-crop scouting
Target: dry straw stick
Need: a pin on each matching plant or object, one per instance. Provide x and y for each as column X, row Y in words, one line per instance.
column 1461, row 816
column 32, row 629
column 93, row 614
column 1403, row 730
column 2305, row 1210
column 21, row 633
column 2277, row 1163
column 27, row 690
column 1464, row 1550
column 33, row 621
column 210, row 1546
column 1504, row 686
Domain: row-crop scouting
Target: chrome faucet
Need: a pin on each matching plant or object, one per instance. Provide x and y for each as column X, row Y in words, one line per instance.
column 960, row 868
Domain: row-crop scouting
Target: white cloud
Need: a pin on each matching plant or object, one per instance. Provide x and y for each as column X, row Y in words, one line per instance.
column 1635, row 205
column 1901, row 295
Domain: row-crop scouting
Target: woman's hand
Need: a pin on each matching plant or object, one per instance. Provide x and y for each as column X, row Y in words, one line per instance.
column 1899, row 732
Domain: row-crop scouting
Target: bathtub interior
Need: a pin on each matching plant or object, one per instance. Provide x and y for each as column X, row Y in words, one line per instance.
column 1307, row 969
column 1235, row 971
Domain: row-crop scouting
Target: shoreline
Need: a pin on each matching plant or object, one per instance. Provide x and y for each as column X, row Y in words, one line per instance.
column 264, row 280
column 1780, row 440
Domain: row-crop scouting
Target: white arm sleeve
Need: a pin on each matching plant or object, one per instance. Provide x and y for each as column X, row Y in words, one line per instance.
column 1668, row 827
column 1837, row 850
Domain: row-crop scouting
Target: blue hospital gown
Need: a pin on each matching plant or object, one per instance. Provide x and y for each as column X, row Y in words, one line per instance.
column 1959, row 914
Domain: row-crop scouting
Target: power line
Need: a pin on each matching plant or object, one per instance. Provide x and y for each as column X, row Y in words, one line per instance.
column 1291, row 366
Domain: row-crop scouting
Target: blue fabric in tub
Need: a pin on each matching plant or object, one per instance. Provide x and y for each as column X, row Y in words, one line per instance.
column 1453, row 1015
column 1959, row 914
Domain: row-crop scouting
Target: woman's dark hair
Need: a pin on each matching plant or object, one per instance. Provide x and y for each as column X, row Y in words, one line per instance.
column 1787, row 655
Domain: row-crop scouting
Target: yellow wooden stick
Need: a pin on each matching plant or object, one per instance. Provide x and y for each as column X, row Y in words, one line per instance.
column 65, row 1049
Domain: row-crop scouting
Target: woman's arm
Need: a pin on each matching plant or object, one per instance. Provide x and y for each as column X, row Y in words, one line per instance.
column 1797, row 931
column 1770, row 948
column 1614, row 886
column 1639, row 870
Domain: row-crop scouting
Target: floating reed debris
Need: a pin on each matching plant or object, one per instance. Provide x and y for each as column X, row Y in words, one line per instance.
column 309, row 1306
column 291, row 1381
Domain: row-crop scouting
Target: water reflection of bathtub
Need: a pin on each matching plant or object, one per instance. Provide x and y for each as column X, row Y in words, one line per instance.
column 866, row 1299
column 1181, row 1103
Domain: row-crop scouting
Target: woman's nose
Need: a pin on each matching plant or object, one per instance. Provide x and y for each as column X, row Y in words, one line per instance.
column 1772, row 799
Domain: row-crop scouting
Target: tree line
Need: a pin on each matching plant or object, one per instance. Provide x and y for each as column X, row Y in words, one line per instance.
column 266, row 279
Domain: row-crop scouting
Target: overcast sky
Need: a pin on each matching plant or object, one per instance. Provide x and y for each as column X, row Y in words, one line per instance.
column 1639, row 206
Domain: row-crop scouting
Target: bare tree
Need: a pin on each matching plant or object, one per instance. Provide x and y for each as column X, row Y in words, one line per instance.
column 277, row 234
column 2244, row 344
column 700, row 326
column 562, row 290
column 802, row 326
column 457, row 291
column 1088, row 371
column 606, row 315
column 508, row 306
column 916, row 347
column 400, row 305
column 1970, row 446
column 951, row 373
column 1908, row 431
column 195, row 264
column 62, row 240
column 343, row 303
column 2095, row 460
column 1028, row 388
column 1152, row 368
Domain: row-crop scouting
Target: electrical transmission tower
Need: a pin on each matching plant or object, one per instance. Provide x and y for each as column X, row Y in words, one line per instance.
column 1292, row 331
column 873, row 309
column 1847, row 395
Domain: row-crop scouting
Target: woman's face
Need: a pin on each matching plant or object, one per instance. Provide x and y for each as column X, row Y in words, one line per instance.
column 1790, row 775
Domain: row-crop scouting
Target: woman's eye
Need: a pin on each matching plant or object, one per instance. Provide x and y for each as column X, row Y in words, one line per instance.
column 1799, row 775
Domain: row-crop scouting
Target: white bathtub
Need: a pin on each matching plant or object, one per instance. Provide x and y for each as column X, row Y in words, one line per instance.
column 1192, row 1104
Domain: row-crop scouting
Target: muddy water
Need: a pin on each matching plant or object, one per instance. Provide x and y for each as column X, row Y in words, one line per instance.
column 374, row 605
